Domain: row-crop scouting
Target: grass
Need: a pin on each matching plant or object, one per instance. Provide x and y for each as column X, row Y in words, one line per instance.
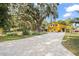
column 71, row 42
column 7, row 38
column 17, row 37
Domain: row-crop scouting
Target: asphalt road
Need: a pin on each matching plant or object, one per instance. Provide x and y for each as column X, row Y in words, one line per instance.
column 42, row 45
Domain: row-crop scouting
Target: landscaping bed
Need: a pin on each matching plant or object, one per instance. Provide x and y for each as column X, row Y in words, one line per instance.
column 14, row 36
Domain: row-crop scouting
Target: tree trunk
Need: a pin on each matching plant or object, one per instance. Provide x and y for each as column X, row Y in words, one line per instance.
column 51, row 19
column 38, row 24
column 54, row 19
column 38, row 27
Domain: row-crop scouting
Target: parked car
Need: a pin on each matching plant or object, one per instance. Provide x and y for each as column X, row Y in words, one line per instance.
column 76, row 30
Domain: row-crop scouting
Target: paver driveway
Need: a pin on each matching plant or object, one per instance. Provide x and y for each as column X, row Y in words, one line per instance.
column 43, row 45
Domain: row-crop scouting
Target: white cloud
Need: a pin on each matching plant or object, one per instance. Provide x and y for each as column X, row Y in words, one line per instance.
column 72, row 8
column 67, row 14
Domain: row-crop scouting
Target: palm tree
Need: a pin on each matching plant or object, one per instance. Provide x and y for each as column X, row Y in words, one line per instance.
column 53, row 11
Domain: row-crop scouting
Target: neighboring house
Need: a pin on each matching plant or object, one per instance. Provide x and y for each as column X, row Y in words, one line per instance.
column 75, row 23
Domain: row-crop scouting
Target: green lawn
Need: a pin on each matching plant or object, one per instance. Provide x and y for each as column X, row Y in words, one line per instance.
column 7, row 38
column 17, row 37
column 71, row 42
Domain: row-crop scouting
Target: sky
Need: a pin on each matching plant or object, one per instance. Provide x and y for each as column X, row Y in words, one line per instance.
column 67, row 10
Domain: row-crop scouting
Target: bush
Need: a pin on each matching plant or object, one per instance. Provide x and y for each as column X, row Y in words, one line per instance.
column 27, row 32
column 35, row 33
column 11, row 34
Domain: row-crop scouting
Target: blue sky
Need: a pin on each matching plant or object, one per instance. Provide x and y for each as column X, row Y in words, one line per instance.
column 67, row 10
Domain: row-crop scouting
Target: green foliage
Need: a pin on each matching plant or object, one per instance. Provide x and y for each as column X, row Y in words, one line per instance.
column 38, row 12
column 76, row 18
column 11, row 34
column 53, row 11
column 12, row 37
column 4, row 15
column 27, row 16
column 27, row 32
column 61, row 22
column 66, row 21
column 35, row 33
column 44, row 25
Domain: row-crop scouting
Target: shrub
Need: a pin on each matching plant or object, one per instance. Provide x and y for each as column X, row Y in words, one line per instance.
column 11, row 34
column 27, row 32
column 36, row 33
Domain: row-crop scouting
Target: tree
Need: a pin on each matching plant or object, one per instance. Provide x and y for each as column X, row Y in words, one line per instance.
column 40, row 11
column 13, row 12
column 66, row 21
column 4, row 17
column 44, row 25
column 33, row 13
column 25, row 17
column 76, row 18
column 53, row 11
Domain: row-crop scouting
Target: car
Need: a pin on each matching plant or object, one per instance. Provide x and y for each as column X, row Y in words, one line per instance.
column 76, row 30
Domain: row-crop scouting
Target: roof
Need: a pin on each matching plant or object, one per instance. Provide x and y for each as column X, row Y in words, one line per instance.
column 75, row 21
